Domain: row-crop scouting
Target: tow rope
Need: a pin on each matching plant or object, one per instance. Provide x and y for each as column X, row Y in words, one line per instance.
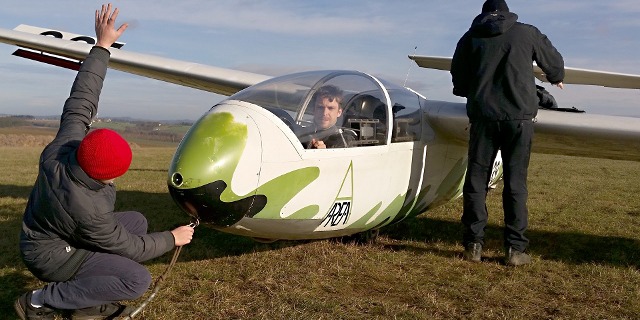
column 156, row 285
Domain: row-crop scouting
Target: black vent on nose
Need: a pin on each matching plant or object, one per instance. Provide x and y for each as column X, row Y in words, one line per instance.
column 208, row 207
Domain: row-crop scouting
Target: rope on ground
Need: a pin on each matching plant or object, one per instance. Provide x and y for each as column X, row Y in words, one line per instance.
column 156, row 285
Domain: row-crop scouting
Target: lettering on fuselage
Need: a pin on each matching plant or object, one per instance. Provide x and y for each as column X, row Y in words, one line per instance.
column 339, row 214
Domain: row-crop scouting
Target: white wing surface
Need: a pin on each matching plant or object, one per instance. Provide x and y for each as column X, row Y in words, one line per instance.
column 572, row 75
column 194, row 75
column 581, row 134
column 556, row 132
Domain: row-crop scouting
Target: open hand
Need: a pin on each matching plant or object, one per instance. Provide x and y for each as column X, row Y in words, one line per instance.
column 105, row 26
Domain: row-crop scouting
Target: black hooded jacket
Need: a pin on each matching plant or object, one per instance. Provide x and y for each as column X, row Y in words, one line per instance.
column 68, row 213
column 492, row 67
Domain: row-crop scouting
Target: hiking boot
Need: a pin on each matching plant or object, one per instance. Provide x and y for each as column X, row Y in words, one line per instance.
column 105, row 311
column 473, row 252
column 516, row 258
column 25, row 310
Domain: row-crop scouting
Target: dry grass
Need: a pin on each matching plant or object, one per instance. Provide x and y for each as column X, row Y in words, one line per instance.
column 584, row 231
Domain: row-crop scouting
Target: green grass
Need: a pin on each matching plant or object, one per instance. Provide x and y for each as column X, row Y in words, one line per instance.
column 584, row 232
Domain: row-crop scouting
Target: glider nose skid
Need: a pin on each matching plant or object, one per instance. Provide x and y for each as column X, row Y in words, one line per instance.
column 214, row 173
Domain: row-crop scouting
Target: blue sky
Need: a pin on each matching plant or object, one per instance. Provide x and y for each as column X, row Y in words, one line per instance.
column 276, row 37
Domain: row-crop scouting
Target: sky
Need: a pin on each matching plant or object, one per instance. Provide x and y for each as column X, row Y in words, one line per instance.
column 276, row 37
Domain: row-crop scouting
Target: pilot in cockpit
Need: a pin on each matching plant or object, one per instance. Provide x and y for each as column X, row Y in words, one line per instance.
column 327, row 104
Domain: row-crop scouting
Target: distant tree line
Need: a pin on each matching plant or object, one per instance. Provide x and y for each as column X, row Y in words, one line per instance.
column 15, row 121
column 144, row 131
column 148, row 130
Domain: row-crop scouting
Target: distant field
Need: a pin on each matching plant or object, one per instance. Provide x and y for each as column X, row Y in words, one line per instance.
column 18, row 132
column 585, row 243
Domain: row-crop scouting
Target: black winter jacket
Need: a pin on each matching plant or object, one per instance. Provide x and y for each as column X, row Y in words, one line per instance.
column 68, row 213
column 492, row 67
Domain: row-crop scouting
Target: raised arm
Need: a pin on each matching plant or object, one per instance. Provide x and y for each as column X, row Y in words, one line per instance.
column 105, row 26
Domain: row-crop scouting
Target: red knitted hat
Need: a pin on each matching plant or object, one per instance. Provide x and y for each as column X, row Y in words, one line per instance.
column 103, row 154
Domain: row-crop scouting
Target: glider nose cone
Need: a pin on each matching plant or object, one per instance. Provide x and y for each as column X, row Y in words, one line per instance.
column 205, row 203
column 214, row 172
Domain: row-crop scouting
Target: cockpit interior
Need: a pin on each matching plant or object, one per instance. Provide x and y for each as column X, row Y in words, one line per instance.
column 372, row 112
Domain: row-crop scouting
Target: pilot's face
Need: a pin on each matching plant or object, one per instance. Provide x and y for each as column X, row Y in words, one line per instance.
column 326, row 113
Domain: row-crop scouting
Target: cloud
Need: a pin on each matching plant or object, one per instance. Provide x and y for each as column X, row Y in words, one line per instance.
column 283, row 17
column 275, row 37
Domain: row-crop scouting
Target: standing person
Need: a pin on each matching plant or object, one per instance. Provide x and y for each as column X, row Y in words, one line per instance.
column 492, row 68
column 71, row 238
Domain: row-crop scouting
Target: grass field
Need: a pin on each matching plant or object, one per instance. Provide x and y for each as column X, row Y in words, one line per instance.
column 584, row 232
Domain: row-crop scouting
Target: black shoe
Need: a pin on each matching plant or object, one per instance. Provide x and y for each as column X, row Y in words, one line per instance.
column 25, row 310
column 105, row 311
column 473, row 252
column 516, row 258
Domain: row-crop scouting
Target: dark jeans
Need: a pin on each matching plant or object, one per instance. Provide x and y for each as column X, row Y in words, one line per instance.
column 103, row 277
column 513, row 138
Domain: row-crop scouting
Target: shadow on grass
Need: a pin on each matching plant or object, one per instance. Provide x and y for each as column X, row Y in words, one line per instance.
column 162, row 214
column 15, row 191
column 13, row 285
column 147, row 170
column 568, row 247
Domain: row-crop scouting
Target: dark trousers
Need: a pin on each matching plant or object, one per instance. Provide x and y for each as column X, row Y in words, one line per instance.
column 103, row 277
column 513, row 138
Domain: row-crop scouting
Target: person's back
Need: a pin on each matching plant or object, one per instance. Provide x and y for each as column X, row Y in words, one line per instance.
column 493, row 67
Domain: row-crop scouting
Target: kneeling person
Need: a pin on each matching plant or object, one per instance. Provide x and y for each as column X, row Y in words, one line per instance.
column 71, row 238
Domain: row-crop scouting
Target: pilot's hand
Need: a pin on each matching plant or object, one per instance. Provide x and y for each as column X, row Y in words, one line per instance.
column 317, row 144
column 182, row 235
column 105, row 26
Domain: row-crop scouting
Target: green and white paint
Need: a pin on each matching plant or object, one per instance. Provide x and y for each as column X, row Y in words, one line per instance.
column 311, row 193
